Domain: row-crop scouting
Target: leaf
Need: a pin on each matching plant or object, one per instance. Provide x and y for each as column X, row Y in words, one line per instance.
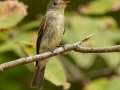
column 55, row 73
column 112, row 59
column 114, row 84
column 83, row 60
column 11, row 13
column 99, row 84
column 31, row 25
column 7, row 46
column 100, row 7
column 105, row 33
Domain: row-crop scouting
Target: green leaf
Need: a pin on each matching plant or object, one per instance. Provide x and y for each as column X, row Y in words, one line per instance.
column 12, row 12
column 83, row 60
column 114, row 84
column 11, row 20
column 55, row 73
column 100, row 7
column 7, row 46
column 99, row 84
column 31, row 25
column 105, row 33
column 112, row 59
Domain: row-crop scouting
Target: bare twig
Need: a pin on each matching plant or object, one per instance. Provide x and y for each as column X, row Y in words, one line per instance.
column 68, row 47
column 98, row 50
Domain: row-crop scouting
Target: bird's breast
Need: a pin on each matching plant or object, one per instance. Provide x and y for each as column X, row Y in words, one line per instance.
column 54, row 32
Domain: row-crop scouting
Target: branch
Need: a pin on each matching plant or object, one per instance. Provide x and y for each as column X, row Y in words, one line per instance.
column 98, row 50
column 68, row 47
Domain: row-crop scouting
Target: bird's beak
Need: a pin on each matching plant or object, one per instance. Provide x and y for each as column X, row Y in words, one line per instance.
column 66, row 1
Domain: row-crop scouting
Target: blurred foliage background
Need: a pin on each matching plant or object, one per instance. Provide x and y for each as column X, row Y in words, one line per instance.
column 72, row 71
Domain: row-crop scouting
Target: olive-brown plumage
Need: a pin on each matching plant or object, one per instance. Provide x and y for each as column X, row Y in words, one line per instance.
column 49, row 35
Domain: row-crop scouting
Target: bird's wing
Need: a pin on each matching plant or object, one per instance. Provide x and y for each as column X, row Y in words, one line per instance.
column 40, row 34
column 39, row 74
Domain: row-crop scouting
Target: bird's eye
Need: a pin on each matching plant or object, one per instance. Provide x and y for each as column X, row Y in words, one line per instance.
column 55, row 3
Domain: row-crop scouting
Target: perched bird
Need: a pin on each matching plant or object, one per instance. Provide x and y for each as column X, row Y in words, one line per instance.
column 49, row 35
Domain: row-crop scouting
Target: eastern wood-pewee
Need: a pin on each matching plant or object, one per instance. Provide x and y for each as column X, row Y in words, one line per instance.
column 49, row 35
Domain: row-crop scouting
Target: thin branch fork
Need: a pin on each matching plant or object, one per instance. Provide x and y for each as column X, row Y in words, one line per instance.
column 66, row 48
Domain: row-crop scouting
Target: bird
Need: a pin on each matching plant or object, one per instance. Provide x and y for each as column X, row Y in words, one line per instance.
column 49, row 36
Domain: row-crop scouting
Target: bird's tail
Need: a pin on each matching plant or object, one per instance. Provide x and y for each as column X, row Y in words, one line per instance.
column 38, row 77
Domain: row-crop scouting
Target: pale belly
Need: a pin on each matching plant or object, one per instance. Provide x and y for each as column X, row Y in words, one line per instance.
column 53, row 34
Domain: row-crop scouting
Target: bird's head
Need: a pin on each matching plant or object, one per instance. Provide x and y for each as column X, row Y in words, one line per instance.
column 58, row 4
